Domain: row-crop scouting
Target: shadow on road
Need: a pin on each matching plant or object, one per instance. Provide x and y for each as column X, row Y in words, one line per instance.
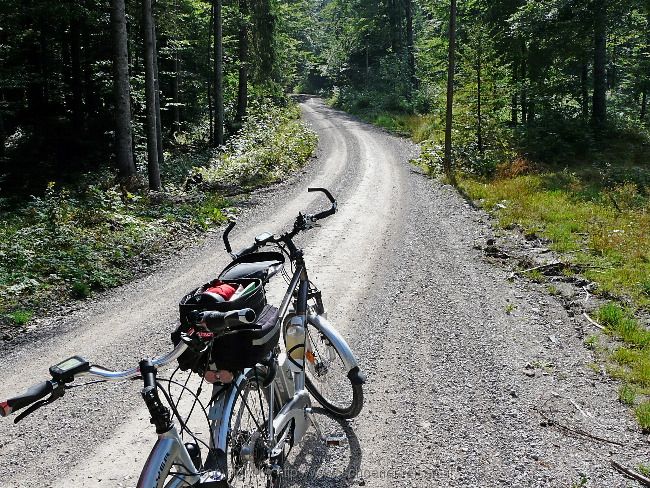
column 314, row 464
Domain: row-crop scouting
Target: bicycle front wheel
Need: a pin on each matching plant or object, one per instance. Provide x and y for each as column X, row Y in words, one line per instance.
column 326, row 377
column 248, row 442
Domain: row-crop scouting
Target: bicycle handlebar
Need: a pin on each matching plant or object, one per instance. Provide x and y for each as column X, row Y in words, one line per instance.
column 303, row 222
column 41, row 390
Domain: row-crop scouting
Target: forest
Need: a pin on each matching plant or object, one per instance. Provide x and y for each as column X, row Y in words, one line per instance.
column 125, row 123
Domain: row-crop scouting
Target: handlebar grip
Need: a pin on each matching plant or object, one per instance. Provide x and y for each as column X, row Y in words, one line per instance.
column 221, row 321
column 32, row 395
column 323, row 190
column 226, row 241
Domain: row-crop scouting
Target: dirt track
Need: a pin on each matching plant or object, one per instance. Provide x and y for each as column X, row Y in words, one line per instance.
column 455, row 382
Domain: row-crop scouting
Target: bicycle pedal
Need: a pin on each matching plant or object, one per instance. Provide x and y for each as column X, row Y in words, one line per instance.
column 336, row 440
column 213, row 479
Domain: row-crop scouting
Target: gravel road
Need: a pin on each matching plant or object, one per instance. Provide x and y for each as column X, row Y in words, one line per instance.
column 469, row 375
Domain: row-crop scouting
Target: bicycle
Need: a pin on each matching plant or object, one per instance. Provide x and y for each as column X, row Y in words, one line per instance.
column 256, row 418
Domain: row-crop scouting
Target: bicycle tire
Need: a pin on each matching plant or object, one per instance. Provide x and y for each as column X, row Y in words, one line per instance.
column 347, row 404
column 244, row 466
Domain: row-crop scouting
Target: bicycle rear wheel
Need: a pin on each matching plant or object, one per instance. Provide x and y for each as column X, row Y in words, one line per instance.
column 326, row 377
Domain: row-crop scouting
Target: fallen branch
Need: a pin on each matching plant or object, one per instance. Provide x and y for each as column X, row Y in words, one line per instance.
column 543, row 266
column 573, row 431
column 593, row 322
column 631, row 473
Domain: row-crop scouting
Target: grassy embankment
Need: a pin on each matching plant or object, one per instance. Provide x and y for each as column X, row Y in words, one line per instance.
column 594, row 208
column 70, row 242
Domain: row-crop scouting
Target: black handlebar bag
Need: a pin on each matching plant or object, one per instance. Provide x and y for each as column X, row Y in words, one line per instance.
column 239, row 348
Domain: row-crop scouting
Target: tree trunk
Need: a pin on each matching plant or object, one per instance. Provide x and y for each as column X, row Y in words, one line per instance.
column 242, row 94
column 66, row 70
column 45, row 63
column 175, row 91
column 447, row 162
column 644, row 104
column 76, row 83
column 514, row 115
column 150, row 96
column 159, row 135
column 394, row 18
column 210, row 81
column 599, row 109
column 479, row 75
column 584, row 90
column 218, row 74
column 3, row 131
column 121, row 89
column 90, row 103
column 524, row 91
column 530, row 117
column 410, row 45
column 367, row 65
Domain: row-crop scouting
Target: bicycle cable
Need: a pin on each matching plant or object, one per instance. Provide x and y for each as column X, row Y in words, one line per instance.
column 178, row 415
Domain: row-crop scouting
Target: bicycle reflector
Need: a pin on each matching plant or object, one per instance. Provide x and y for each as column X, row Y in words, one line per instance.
column 66, row 370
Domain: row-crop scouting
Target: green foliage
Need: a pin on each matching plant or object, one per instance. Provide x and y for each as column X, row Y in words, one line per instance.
column 581, row 483
column 20, row 317
column 73, row 242
column 644, row 469
column 271, row 144
column 621, row 322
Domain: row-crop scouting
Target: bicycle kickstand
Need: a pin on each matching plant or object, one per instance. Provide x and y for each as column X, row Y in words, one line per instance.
column 331, row 440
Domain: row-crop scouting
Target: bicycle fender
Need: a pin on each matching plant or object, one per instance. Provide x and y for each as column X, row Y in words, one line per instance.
column 337, row 340
column 356, row 377
column 220, row 412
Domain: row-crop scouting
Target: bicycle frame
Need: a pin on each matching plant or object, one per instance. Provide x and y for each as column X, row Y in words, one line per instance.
column 297, row 410
column 168, row 451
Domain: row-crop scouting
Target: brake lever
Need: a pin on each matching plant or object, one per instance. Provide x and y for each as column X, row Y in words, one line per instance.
column 56, row 394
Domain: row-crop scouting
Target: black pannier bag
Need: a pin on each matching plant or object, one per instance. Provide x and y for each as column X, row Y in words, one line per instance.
column 237, row 349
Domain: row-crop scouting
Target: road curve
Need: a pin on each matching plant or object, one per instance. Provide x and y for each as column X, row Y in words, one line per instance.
column 447, row 403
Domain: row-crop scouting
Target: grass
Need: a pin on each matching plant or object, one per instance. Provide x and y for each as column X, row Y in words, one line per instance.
column 627, row 395
column 553, row 290
column 581, row 483
column 629, row 358
column 644, row 469
column 21, row 317
column 576, row 214
column 592, row 342
column 643, row 416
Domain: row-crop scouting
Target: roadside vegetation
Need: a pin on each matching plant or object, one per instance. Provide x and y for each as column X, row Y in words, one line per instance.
column 628, row 358
column 75, row 240
column 126, row 129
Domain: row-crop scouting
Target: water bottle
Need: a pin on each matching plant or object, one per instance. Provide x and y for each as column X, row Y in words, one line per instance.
column 295, row 342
